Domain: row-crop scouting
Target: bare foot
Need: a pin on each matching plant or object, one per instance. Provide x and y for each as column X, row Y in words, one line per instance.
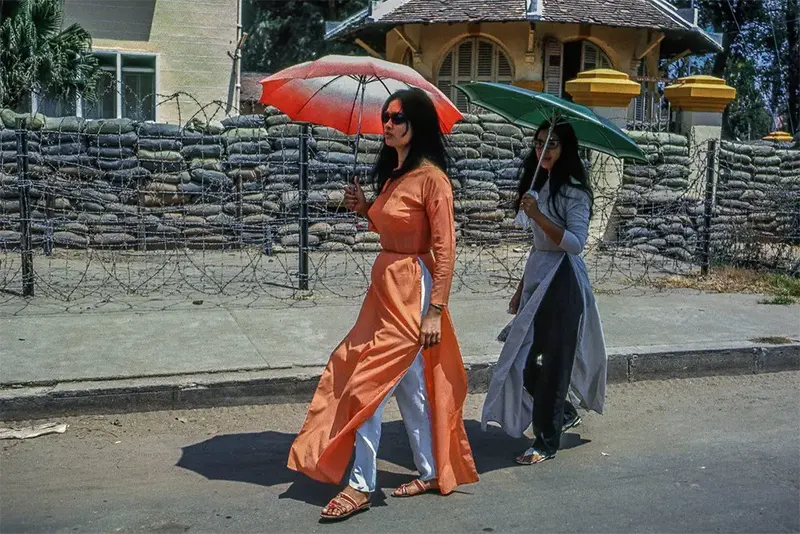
column 416, row 487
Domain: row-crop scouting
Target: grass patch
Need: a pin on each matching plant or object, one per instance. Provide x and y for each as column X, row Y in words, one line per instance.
column 772, row 340
column 780, row 300
column 784, row 284
column 782, row 289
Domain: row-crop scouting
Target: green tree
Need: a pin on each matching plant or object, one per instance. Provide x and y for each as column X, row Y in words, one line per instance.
column 790, row 24
column 38, row 55
column 746, row 117
column 281, row 34
column 760, row 51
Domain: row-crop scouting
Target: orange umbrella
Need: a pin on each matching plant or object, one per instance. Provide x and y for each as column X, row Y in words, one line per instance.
column 348, row 92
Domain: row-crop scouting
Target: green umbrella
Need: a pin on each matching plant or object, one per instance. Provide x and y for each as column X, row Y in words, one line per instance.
column 528, row 108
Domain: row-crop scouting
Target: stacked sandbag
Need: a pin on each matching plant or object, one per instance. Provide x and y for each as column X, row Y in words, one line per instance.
column 247, row 146
column 247, row 153
column 487, row 152
column 657, row 215
column 789, row 172
column 202, row 146
column 282, row 183
column 8, row 141
column 9, row 210
column 112, row 147
column 758, row 197
column 159, row 150
column 109, row 207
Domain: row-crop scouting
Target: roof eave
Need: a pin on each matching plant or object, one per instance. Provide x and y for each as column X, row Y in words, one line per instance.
column 349, row 25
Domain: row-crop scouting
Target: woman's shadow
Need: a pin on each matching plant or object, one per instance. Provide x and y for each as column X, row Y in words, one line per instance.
column 260, row 458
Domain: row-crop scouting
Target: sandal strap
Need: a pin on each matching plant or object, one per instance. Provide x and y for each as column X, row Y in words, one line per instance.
column 420, row 485
column 349, row 500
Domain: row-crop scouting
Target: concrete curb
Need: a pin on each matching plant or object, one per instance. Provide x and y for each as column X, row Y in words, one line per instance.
column 297, row 385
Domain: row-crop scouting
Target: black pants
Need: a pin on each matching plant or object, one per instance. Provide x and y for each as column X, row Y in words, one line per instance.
column 555, row 337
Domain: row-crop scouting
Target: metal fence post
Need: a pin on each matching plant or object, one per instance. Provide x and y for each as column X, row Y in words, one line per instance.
column 49, row 210
column 141, row 225
column 24, row 207
column 303, row 199
column 708, row 207
column 238, row 199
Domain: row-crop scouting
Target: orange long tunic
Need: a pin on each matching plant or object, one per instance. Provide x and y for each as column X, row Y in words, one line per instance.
column 414, row 217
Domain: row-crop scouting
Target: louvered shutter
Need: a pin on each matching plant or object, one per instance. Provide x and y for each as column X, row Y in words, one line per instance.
column 445, row 79
column 504, row 73
column 553, row 63
column 485, row 64
column 589, row 53
column 464, row 71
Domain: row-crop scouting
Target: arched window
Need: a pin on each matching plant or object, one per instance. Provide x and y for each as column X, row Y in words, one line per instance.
column 593, row 57
column 473, row 59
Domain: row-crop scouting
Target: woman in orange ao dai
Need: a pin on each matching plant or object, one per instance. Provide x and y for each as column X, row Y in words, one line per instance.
column 403, row 342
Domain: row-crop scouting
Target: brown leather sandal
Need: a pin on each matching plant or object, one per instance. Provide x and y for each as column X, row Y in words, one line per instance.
column 533, row 456
column 341, row 502
column 420, row 486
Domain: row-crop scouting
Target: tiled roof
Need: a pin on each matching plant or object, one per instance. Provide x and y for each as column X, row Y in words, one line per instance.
column 650, row 14
column 630, row 13
column 437, row 11
column 656, row 14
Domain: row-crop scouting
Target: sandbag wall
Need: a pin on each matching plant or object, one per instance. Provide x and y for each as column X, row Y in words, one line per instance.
column 9, row 187
column 757, row 197
column 118, row 183
column 109, row 183
column 657, row 215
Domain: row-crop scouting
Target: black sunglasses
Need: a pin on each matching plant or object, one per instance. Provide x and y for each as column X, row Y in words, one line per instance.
column 396, row 118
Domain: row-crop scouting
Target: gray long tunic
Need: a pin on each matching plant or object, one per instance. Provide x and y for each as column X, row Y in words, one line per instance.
column 507, row 402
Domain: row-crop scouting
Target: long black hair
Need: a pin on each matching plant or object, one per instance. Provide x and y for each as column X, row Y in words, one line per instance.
column 427, row 141
column 567, row 170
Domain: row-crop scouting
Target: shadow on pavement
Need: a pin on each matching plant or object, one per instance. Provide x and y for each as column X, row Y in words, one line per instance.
column 260, row 458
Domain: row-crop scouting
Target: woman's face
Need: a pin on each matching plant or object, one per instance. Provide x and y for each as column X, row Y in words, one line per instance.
column 396, row 128
column 550, row 154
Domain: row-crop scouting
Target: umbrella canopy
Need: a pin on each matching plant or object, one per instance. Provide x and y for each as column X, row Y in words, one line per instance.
column 348, row 92
column 529, row 108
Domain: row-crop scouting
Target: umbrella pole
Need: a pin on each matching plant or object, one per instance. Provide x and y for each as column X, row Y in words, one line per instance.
column 546, row 142
column 363, row 87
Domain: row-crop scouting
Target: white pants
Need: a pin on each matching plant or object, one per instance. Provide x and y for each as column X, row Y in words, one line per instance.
column 413, row 403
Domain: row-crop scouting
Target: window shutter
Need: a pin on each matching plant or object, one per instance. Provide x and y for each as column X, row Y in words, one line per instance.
column 485, row 63
column 553, row 62
column 503, row 68
column 446, row 70
column 445, row 79
column 464, row 63
column 589, row 52
column 472, row 60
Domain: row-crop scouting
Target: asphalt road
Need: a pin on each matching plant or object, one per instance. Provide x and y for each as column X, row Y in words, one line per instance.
column 717, row 454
